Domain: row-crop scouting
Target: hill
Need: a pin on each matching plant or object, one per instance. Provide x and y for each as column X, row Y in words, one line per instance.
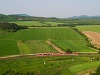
column 85, row 17
column 76, row 20
column 20, row 14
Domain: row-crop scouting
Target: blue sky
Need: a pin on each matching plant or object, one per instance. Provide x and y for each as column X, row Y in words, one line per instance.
column 51, row 8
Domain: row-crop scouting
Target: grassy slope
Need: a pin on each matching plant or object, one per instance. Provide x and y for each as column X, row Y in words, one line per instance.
column 85, row 66
column 53, row 64
column 8, row 47
column 44, row 34
column 95, row 28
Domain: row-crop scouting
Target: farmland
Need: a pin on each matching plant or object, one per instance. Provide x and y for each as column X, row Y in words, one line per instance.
column 28, row 23
column 51, row 34
column 44, row 34
column 36, row 23
column 33, row 41
column 94, row 28
column 29, row 47
column 73, row 46
column 8, row 47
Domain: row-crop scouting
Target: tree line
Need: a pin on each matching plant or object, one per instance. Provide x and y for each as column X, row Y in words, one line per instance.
column 10, row 27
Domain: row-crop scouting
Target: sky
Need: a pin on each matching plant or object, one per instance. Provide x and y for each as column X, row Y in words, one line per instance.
column 51, row 8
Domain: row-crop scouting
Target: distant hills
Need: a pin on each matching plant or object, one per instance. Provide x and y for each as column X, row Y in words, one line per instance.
column 84, row 17
column 20, row 15
column 75, row 20
column 24, row 17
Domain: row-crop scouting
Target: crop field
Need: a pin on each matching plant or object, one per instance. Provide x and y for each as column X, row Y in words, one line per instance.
column 44, row 34
column 46, row 66
column 29, row 47
column 28, row 23
column 36, row 23
column 94, row 28
column 33, row 40
column 8, row 47
column 64, row 45
column 53, row 23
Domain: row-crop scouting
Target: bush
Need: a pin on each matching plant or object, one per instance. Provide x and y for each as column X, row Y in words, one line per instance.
column 68, row 51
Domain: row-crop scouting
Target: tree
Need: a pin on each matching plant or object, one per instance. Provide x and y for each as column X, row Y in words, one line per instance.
column 98, row 71
column 99, row 52
column 68, row 50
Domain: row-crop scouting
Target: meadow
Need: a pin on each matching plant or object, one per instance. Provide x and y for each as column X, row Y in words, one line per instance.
column 44, row 34
column 28, row 23
column 81, row 67
column 36, row 23
column 46, row 65
column 94, row 28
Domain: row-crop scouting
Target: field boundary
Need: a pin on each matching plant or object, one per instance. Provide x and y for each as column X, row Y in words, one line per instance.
column 46, row 55
column 15, row 56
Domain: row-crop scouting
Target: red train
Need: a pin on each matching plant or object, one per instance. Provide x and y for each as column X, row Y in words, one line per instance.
column 56, row 54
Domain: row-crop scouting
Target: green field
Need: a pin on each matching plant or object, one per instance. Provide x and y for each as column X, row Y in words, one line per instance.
column 29, row 47
column 36, row 23
column 94, row 28
column 84, row 66
column 8, row 47
column 53, row 65
column 30, row 41
column 73, row 46
column 28, row 23
column 33, row 40
column 44, row 34
column 53, row 23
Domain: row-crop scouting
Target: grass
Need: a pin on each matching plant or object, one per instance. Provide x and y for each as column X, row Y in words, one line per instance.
column 84, row 66
column 73, row 46
column 23, row 48
column 29, row 47
column 94, row 28
column 36, row 37
column 53, row 23
column 8, row 47
column 44, row 34
column 53, row 66
column 36, row 23
column 28, row 23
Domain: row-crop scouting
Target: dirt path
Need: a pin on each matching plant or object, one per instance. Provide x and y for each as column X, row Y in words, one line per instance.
column 15, row 56
column 94, row 36
column 58, row 49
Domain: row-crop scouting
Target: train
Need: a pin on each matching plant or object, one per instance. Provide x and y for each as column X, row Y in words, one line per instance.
column 56, row 54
